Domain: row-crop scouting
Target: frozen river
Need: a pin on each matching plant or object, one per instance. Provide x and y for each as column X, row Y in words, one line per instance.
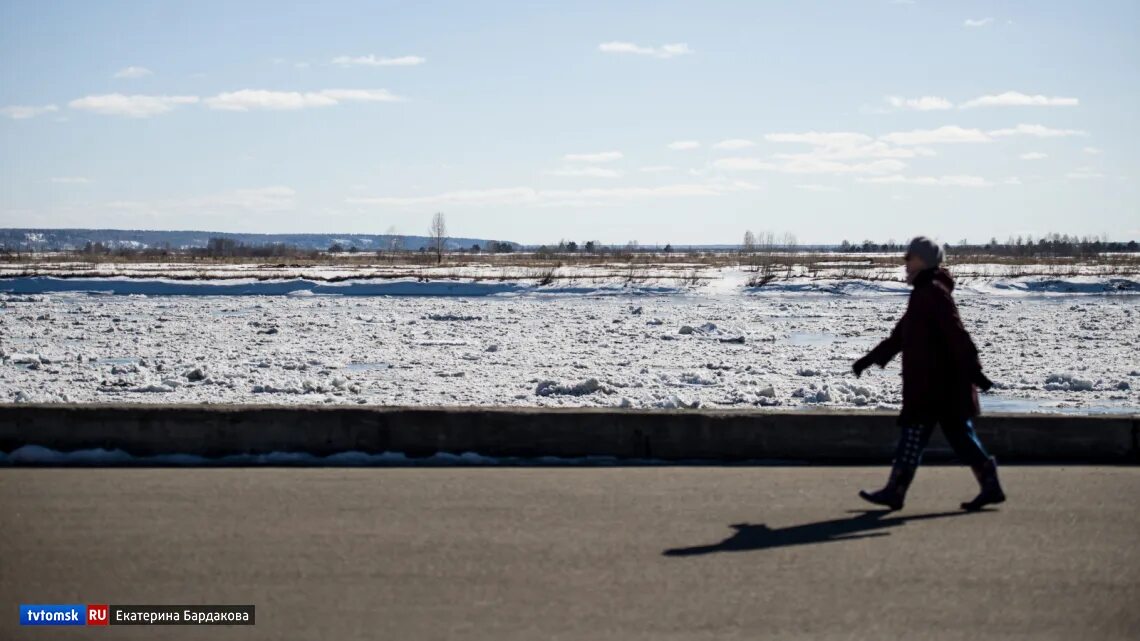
column 720, row 350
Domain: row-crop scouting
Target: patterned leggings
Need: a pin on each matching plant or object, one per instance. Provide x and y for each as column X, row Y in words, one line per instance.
column 959, row 433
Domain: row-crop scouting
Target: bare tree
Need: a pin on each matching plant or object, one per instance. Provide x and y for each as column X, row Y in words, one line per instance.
column 438, row 236
column 395, row 240
column 789, row 242
column 765, row 245
column 766, row 241
column 749, row 242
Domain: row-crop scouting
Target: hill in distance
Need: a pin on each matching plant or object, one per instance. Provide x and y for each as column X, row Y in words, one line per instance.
column 27, row 239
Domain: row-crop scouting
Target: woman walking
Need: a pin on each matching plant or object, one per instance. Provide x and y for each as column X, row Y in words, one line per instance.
column 941, row 376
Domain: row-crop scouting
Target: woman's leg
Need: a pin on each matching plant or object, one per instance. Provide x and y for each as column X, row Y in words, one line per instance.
column 908, row 456
column 912, row 443
column 962, row 437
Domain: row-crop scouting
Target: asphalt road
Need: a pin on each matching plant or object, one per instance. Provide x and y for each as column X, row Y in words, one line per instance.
column 615, row 553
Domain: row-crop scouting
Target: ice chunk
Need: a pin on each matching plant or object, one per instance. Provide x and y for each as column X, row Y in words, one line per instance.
column 1067, row 382
column 553, row 388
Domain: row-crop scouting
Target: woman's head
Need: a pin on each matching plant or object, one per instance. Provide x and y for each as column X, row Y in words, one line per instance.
column 922, row 253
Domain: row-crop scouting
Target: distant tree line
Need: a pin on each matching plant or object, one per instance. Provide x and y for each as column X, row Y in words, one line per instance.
column 125, row 251
column 1048, row 246
column 221, row 247
column 596, row 248
column 869, row 246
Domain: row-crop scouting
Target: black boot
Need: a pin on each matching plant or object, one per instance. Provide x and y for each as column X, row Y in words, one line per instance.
column 991, row 493
column 894, row 493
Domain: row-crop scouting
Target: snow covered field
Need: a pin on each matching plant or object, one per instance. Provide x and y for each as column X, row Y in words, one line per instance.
column 1050, row 344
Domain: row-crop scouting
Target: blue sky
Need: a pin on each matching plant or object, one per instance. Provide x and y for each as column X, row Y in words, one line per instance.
column 661, row 122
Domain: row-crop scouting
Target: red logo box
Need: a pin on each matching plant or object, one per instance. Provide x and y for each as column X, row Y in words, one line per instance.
column 97, row 615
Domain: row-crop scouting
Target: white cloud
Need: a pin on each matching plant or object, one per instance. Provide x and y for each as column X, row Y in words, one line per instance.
column 813, row 187
column 373, row 61
column 664, row 51
column 1093, row 151
column 557, row 197
column 133, row 72
column 602, row 156
column 249, row 99
column 262, row 199
column 1041, row 131
column 116, row 104
column 684, row 145
column 1034, row 155
column 810, row 165
column 588, row 172
column 636, row 193
column 255, row 201
column 361, row 95
column 1084, row 173
column 243, row 100
column 875, row 149
column 941, row 135
column 924, row 103
column 832, row 153
column 467, row 196
column 625, row 47
column 843, row 145
column 679, row 49
column 656, row 169
column 983, row 22
column 734, row 143
column 929, row 181
column 23, row 112
column 71, row 180
column 821, row 138
column 600, row 197
column 1017, row 99
column 1013, row 181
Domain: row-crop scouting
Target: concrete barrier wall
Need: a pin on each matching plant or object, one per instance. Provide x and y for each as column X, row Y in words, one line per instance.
column 835, row 437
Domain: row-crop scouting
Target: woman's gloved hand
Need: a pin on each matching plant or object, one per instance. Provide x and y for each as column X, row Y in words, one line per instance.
column 861, row 364
column 982, row 382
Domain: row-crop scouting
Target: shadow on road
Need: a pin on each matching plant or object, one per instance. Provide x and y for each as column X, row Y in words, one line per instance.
column 761, row 537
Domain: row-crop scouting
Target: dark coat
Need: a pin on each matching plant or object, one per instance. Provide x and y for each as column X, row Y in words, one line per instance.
column 940, row 363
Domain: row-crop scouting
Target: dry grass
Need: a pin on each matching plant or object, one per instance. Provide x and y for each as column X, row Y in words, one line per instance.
column 765, row 262
column 681, row 267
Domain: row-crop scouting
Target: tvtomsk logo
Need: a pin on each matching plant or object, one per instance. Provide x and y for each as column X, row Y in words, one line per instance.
column 53, row 615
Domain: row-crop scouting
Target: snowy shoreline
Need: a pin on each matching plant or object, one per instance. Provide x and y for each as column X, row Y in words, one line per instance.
column 1049, row 344
column 666, row 337
column 727, row 282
